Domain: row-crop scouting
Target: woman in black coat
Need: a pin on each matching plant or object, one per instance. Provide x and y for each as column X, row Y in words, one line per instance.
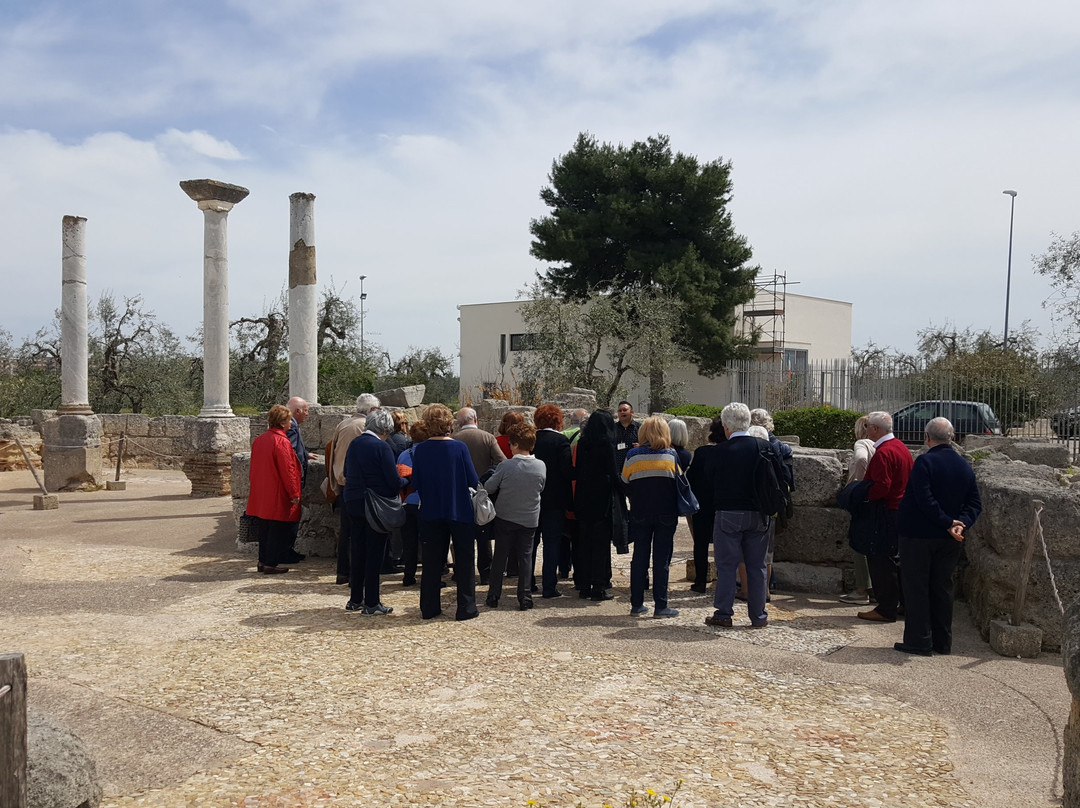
column 594, row 496
column 701, row 523
column 553, row 448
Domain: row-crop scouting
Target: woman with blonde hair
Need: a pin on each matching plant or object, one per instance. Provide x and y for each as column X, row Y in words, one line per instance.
column 649, row 472
column 274, row 496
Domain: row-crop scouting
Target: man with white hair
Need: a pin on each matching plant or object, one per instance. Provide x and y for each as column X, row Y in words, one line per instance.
column 349, row 428
column 941, row 501
column 888, row 470
column 739, row 530
column 486, row 455
column 298, row 409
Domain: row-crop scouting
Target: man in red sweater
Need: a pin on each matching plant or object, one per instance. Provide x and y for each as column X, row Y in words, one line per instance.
column 888, row 471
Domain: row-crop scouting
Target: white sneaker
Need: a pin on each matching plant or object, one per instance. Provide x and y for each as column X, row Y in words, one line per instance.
column 855, row 599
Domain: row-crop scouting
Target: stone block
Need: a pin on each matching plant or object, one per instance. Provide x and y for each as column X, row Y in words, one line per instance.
column 815, row 535
column 795, row 577
column 1029, row 449
column 319, row 524
column 239, row 484
column 1070, row 649
column 112, row 424
column 817, row 479
column 409, row 396
column 1024, row 640
column 60, row 773
column 136, row 424
column 73, row 452
column 1007, row 491
column 176, row 425
column 691, row 571
column 115, row 485
column 46, row 502
column 39, row 417
column 156, row 428
column 217, row 435
column 576, row 398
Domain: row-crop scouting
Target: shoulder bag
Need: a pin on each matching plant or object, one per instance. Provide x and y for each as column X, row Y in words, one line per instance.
column 384, row 514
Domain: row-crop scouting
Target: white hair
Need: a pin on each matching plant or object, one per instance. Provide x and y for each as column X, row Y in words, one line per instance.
column 940, row 430
column 296, row 404
column 761, row 417
column 381, row 422
column 466, row 415
column 881, row 420
column 680, row 435
column 366, row 402
column 757, row 431
column 735, row 416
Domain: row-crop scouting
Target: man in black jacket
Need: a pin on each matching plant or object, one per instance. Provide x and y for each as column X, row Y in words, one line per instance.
column 940, row 503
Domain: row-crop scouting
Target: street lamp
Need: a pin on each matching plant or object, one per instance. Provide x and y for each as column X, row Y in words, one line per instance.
column 363, row 297
column 1008, row 274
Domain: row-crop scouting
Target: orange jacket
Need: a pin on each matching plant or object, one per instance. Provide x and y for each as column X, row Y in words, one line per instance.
column 275, row 478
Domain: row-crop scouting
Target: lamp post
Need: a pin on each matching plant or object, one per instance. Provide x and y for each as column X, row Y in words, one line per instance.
column 363, row 297
column 1008, row 273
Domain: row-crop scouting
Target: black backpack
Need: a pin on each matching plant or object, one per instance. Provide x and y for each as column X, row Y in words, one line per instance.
column 770, row 490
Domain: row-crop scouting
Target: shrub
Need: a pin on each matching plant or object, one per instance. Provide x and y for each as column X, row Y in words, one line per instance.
column 695, row 411
column 821, row 427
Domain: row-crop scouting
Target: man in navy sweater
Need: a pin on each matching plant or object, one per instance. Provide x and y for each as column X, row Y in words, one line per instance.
column 940, row 503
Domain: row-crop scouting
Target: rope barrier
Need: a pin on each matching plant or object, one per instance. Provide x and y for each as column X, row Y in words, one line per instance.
column 1046, row 555
column 151, row 451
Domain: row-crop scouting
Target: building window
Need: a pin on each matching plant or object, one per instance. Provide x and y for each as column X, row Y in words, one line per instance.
column 797, row 360
column 528, row 342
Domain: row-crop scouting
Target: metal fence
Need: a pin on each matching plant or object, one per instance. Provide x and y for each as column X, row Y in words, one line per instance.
column 1030, row 398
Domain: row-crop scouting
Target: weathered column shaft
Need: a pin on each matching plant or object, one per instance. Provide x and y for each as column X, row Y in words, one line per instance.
column 215, row 309
column 303, row 300
column 74, row 350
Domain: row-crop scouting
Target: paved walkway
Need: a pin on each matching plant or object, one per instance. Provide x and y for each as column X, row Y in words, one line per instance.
column 199, row 683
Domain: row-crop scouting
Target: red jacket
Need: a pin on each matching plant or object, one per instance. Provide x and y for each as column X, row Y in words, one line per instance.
column 275, row 478
column 889, row 470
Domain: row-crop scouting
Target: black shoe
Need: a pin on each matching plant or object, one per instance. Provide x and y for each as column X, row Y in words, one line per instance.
column 342, row 579
column 467, row 616
column 551, row 595
column 484, row 580
column 908, row 649
column 492, row 602
column 408, row 582
column 525, row 605
column 584, row 594
column 534, row 589
column 293, row 557
column 702, row 588
column 600, row 595
column 353, row 606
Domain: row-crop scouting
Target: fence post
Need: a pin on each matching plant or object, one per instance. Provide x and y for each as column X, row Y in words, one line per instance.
column 12, row 731
column 1025, row 567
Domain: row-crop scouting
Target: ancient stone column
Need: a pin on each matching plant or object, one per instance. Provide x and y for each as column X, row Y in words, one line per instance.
column 303, row 300
column 215, row 200
column 74, row 392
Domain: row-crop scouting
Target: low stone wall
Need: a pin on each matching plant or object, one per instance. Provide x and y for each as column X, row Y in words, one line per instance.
column 1070, row 649
column 1036, row 451
column 995, row 545
column 11, row 459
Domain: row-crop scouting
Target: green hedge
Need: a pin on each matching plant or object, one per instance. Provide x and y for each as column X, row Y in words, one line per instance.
column 821, row 427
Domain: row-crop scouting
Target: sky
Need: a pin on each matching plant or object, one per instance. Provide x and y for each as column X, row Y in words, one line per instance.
column 870, row 144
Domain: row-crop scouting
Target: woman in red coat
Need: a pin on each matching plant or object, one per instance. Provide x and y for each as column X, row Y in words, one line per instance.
column 274, row 497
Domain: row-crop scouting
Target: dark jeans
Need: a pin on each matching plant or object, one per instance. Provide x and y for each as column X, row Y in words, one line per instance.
column 885, row 570
column 703, row 537
column 550, row 532
column 927, row 566
column 410, row 543
column 655, row 534
column 345, row 528
column 592, row 564
column 366, row 549
column 511, row 539
column 435, row 538
column 274, row 539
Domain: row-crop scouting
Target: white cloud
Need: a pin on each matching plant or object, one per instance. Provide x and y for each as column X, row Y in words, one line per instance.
column 201, row 143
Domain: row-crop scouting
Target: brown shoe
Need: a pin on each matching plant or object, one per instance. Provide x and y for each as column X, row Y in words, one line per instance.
column 718, row 622
column 274, row 570
column 875, row 616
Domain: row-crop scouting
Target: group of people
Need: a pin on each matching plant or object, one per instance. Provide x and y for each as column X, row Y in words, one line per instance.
column 609, row 481
column 909, row 518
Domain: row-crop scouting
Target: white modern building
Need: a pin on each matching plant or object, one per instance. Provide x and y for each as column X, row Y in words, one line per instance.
column 795, row 332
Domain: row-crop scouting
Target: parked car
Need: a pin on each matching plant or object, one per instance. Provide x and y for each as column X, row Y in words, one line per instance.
column 1066, row 423
column 967, row 417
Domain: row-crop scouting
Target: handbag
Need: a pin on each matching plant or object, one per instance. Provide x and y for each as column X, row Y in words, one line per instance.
column 247, row 529
column 687, row 502
column 383, row 513
column 483, row 507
